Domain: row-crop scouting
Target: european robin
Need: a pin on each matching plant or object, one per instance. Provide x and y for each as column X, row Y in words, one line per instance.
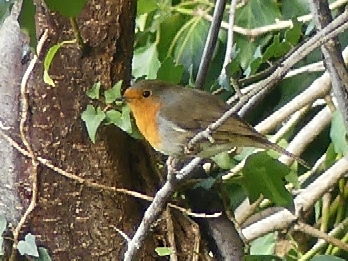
column 169, row 116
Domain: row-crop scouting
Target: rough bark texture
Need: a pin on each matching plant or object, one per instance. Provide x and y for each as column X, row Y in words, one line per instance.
column 73, row 221
column 11, row 71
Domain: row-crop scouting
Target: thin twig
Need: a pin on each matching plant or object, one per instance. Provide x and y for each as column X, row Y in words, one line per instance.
column 321, row 243
column 303, row 227
column 278, row 25
column 24, row 138
column 229, row 47
column 91, row 184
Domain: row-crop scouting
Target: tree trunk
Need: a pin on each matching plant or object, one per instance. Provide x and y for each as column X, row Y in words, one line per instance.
column 73, row 220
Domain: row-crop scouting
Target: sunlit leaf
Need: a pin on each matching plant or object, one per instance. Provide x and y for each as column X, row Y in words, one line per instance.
column 93, row 93
column 146, row 6
column 28, row 246
column 49, row 58
column 92, row 118
column 113, row 93
column 263, row 245
column 145, row 62
column 164, row 251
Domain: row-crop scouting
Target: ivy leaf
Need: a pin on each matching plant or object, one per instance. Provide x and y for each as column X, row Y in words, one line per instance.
column 164, row 251
column 93, row 93
column 265, row 175
column 28, row 246
column 338, row 133
column 189, row 47
column 66, row 7
column 120, row 119
column 223, row 160
column 145, row 62
column 146, row 6
column 5, row 9
column 44, row 255
column 92, row 118
column 276, row 49
column 293, row 34
column 169, row 71
column 114, row 93
column 263, row 245
column 26, row 20
column 48, row 60
column 257, row 13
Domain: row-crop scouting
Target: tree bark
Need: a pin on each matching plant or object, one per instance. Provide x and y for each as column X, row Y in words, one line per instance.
column 73, row 220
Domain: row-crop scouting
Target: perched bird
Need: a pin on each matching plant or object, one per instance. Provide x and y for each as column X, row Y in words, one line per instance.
column 169, row 116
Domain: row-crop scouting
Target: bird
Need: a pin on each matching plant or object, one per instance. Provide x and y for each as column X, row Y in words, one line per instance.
column 169, row 116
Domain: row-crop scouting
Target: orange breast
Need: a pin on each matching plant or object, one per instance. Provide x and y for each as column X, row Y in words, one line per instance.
column 145, row 118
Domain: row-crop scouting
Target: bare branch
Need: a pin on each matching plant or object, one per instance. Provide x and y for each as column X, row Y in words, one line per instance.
column 333, row 58
column 210, row 43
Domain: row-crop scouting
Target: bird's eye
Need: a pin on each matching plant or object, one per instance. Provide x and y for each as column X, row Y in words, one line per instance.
column 146, row 93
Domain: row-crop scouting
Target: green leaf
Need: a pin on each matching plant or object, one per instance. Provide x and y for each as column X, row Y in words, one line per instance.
column 145, row 62
column 67, row 7
column 164, row 251
column 338, row 133
column 43, row 255
column 121, row 120
column 263, row 245
column 189, row 47
column 169, row 29
column 169, row 71
column 146, row 6
column 265, row 175
column 294, row 8
column 256, row 13
column 48, row 60
column 92, row 118
column 5, row 9
column 262, row 258
column 26, row 20
column 292, row 177
column 276, row 49
column 327, row 258
column 293, row 35
column 330, row 156
column 223, row 160
column 93, row 93
column 114, row 93
column 28, row 246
